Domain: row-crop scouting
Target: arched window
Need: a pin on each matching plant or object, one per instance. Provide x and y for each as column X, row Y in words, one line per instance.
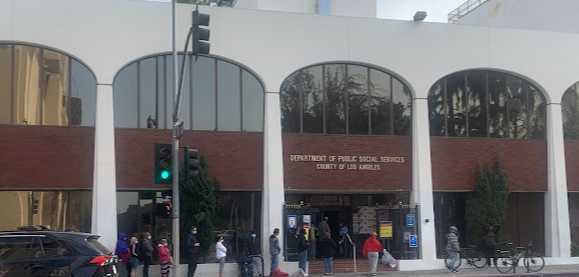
column 570, row 108
column 218, row 95
column 485, row 103
column 341, row 98
column 40, row 86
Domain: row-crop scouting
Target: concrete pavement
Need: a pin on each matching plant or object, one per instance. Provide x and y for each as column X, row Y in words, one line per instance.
column 558, row 271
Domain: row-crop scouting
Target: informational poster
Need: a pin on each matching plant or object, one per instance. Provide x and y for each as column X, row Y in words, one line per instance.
column 292, row 221
column 410, row 220
column 307, row 219
column 412, row 241
column 385, row 229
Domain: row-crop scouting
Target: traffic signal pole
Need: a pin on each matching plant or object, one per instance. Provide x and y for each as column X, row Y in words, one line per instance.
column 175, row 138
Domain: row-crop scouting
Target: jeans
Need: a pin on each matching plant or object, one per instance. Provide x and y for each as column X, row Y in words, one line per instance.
column 192, row 267
column 453, row 259
column 373, row 260
column 328, row 266
column 303, row 259
column 274, row 262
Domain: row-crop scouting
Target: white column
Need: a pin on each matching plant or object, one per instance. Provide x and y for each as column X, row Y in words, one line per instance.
column 104, row 196
column 273, row 184
column 422, row 180
column 557, row 229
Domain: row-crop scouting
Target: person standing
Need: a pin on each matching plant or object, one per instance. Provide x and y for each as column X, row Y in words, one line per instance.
column 312, row 234
column 327, row 249
column 193, row 251
column 123, row 253
column 165, row 258
column 134, row 261
column 146, row 252
column 302, row 250
column 274, row 249
column 490, row 242
column 220, row 254
column 325, row 227
column 452, row 249
column 371, row 249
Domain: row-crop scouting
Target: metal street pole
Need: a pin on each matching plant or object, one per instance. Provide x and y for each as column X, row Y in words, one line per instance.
column 175, row 138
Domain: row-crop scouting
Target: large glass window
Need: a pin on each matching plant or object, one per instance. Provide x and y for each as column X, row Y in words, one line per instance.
column 43, row 87
column 570, row 107
column 339, row 98
column 483, row 103
column 59, row 210
column 217, row 95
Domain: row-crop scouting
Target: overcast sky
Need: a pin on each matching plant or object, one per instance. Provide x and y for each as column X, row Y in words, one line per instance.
column 404, row 9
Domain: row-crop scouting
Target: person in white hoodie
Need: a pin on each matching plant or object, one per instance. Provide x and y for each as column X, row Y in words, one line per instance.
column 220, row 254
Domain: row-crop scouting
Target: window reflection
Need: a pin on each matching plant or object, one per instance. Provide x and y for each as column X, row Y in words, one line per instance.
column 44, row 87
column 353, row 99
column 479, row 103
column 59, row 210
column 570, row 108
column 217, row 95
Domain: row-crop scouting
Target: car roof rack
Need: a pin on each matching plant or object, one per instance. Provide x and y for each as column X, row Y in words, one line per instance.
column 33, row 228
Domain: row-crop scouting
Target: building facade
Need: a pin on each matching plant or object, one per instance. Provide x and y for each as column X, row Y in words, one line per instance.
column 296, row 114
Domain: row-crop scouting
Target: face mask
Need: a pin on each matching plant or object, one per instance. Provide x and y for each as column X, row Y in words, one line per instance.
column 253, row 235
column 194, row 232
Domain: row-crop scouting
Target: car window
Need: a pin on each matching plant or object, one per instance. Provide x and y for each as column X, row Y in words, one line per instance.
column 96, row 245
column 53, row 248
column 19, row 248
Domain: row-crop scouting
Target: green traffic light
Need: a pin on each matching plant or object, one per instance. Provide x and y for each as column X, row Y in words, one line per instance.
column 165, row 174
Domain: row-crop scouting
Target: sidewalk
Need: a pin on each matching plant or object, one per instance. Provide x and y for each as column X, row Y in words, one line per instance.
column 562, row 271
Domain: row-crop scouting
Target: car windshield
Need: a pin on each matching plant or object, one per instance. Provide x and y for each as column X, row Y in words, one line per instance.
column 96, row 245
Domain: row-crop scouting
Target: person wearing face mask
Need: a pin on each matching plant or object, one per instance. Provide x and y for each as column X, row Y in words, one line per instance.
column 147, row 252
column 193, row 250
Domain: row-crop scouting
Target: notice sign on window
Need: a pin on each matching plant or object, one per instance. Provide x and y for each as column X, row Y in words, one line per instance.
column 346, row 162
column 385, row 229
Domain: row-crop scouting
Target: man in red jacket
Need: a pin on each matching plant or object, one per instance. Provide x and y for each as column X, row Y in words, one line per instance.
column 371, row 249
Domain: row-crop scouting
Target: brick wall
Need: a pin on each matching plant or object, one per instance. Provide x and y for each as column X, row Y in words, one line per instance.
column 455, row 162
column 305, row 176
column 572, row 159
column 235, row 159
column 42, row 157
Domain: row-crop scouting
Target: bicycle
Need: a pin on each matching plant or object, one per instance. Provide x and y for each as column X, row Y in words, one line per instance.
column 471, row 255
column 508, row 260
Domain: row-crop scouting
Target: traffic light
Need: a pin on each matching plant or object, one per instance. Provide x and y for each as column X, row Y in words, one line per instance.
column 163, row 162
column 192, row 163
column 200, row 35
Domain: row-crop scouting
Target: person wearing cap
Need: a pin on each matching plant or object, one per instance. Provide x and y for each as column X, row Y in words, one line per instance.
column 452, row 248
column 371, row 249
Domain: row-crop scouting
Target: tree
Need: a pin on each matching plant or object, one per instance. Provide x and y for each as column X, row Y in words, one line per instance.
column 197, row 204
column 486, row 205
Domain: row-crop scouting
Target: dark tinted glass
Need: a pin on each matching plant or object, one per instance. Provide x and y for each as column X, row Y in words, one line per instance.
column 19, row 248
column 53, row 248
column 381, row 102
column 312, row 98
column 481, row 103
column 456, row 101
column 335, row 83
column 401, row 108
column 290, row 104
column 570, row 108
column 437, row 109
column 477, row 103
column 358, row 103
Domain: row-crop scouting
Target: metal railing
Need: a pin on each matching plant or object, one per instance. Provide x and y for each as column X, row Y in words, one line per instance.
column 353, row 252
column 464, row 9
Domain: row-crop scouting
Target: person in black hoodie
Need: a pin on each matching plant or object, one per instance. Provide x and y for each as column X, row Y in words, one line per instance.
column 193, row 251
column 146, row 252
column 303, row 246
column 327, row 249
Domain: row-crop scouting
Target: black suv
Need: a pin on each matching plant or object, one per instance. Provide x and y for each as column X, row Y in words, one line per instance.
column 47, row 253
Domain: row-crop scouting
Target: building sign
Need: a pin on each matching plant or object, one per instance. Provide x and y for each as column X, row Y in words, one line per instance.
column 412, row 241
column 410, row 220
column 386, row 229
column 346, row 162
column 292, row 221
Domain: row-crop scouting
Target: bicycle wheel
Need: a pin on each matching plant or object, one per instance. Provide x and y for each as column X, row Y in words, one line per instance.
column 534, row 263
column 477, row 259
column 453, row 265
column 504, row 264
